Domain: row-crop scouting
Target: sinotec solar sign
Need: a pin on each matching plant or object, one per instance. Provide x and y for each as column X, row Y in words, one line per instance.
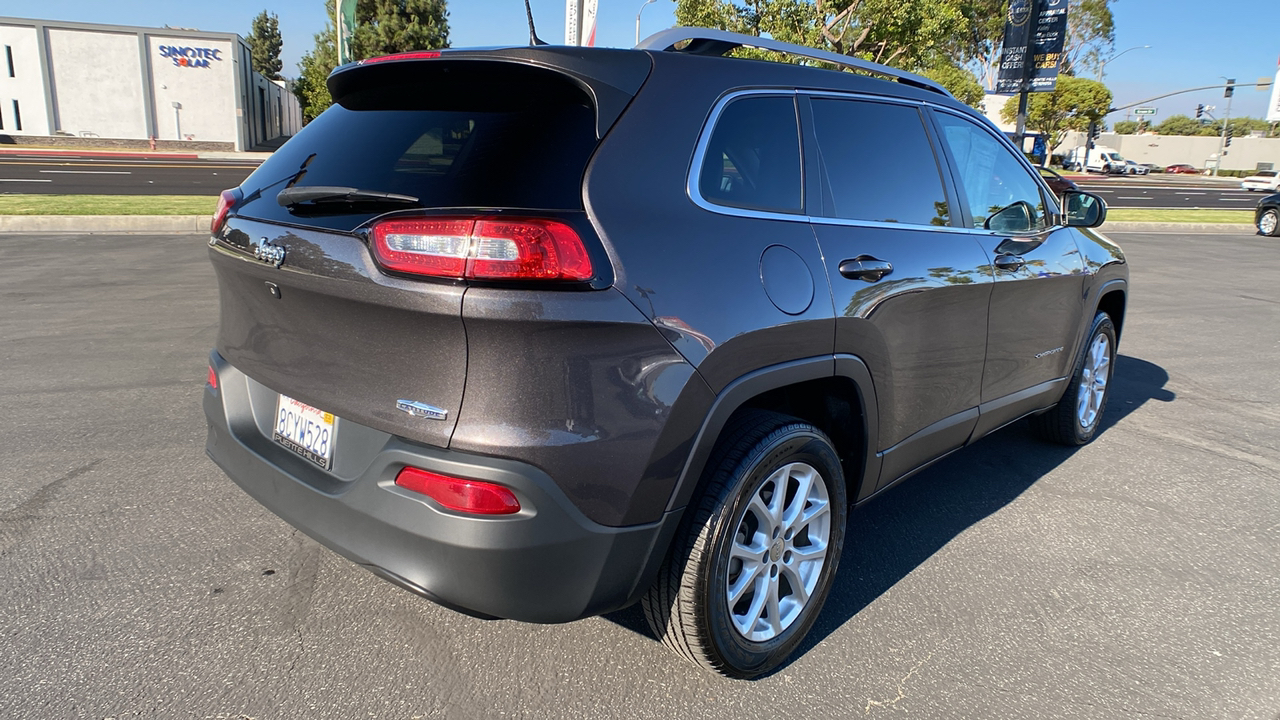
column 193, row 57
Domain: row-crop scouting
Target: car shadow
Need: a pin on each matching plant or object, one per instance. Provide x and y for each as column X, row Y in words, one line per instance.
column 892, row 535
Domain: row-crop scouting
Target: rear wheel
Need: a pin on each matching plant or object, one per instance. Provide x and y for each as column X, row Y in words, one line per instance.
column 1076, row 417
column 1269, row 223
column 757, row 552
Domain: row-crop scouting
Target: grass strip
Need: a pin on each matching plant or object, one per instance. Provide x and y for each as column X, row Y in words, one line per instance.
column 107, row 204
column 1244, row 217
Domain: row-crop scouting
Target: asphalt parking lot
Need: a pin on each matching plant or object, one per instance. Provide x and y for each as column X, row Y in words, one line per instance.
column 1136, row 577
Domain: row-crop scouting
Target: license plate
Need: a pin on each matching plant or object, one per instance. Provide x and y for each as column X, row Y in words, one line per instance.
column 304, row 430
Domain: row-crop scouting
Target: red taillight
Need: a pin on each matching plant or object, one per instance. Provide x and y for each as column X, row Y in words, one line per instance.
column 468, row 496
column 213, row 378
column 225, row 201
column 482, row 248
column 415, row 55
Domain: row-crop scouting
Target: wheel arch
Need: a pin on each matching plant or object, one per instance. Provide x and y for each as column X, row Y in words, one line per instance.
column 1113, row 296
column 834, row 393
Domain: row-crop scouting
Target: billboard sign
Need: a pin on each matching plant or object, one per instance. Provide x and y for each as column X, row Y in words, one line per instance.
column 1035, row 31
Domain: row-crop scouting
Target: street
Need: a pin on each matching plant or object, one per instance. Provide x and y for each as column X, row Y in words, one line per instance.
column 1134, row 577
column 101, row 174
column 1169, row 191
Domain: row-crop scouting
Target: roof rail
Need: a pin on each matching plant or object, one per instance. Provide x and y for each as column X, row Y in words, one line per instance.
column 705, row 41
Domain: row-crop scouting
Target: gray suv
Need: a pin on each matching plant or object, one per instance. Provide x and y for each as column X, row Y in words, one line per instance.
column 541, row 332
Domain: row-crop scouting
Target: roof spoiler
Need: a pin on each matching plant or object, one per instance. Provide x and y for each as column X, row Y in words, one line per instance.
column 705, row 41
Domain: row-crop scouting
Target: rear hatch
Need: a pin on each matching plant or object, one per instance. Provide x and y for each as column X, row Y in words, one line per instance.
column 308, row 310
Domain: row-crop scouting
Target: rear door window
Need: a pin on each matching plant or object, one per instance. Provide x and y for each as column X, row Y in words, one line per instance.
column 877, row 163
column 752, row 159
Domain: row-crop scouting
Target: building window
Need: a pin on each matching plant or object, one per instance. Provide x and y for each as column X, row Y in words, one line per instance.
column 17, row 116
column 8, row 53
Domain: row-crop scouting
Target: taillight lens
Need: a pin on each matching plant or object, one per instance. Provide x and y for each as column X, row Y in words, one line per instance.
column 226, row 200
column 482, row 248
column 468, row 496
column 213, row 378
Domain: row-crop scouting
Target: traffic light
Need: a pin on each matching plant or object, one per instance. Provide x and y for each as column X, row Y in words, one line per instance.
column 1199, row 111
column 1231, row 88
column 1228, row 143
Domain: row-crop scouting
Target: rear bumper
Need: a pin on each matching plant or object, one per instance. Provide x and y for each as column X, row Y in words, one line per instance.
column 548, row 563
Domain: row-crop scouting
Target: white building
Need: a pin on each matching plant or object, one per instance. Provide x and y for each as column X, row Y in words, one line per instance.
column 62, row 79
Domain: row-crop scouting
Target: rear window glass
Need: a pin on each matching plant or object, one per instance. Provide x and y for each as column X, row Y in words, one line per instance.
column 753, row 157
column 465, row 150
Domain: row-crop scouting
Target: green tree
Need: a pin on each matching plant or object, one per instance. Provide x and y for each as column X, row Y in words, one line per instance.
column 1182, row 125
column 382, row 27
column 957, row 81
column 265, row 44
column 1091, row 35
column 392, row 26
column 1126, row 127
column 904, row 33
column 1073, row 104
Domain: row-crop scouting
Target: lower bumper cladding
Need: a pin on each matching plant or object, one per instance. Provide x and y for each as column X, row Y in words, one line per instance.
column 545, row 563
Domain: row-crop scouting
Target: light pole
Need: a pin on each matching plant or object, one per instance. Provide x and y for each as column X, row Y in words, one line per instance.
column 642, row 7
column 1229, row 91
column 1102, row 69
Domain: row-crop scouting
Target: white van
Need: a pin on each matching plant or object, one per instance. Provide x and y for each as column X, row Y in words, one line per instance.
column 1100, row 159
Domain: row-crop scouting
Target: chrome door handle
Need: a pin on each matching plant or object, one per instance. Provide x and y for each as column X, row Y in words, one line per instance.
column 1010, row 262
column 865, row 267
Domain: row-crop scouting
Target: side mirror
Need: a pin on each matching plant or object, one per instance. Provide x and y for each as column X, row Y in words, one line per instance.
column 1014, row 218
column 1082, row 209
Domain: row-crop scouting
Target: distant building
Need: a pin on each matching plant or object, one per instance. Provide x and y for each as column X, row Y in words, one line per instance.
column 63, row 79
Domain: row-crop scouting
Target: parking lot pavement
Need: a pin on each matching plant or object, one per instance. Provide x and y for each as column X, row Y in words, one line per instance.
column 1136, row 577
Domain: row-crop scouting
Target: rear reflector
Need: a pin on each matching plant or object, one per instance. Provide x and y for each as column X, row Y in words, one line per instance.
column 482, row 248
column 213, row 378
column 468, row 496
column 226, row 200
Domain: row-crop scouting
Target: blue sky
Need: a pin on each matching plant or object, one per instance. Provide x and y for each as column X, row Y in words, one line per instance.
column 1192, row 42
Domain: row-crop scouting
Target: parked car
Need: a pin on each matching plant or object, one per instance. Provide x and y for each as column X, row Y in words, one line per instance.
column 541, row 332
column 1266, row 180
column 1132, row 168
column 1099, row 158
column 1183, row 169
column 1267, row 215
column 1152, row 167
column 1058, row 184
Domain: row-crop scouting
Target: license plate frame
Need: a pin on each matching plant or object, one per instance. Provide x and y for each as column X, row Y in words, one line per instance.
column 307, row 431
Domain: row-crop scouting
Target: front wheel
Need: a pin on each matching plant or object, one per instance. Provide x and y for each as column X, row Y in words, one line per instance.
column 1077, row 416
column 1269, row 223
column 757, row 551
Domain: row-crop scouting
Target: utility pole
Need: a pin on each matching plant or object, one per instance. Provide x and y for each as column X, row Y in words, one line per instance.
column 1222, row 139
column 1028, row 71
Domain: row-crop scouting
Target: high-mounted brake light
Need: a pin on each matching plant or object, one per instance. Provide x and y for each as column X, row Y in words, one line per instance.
column 226, row 200
column 482, row 248
column 468, row 496
column 415, row 55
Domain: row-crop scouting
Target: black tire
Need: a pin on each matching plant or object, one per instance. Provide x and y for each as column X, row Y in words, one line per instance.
column 1066, row 423
column 688, row 607
column 1274, row 221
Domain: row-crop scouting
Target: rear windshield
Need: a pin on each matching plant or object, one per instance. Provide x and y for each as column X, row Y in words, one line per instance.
column 447, row 144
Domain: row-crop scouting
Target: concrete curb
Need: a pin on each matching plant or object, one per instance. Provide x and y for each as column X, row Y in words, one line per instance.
column 98, row 224
column 1190, row 228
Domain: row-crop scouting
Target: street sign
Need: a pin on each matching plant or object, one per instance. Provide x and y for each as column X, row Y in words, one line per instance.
column 1034, row 30
column 1144, row 111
